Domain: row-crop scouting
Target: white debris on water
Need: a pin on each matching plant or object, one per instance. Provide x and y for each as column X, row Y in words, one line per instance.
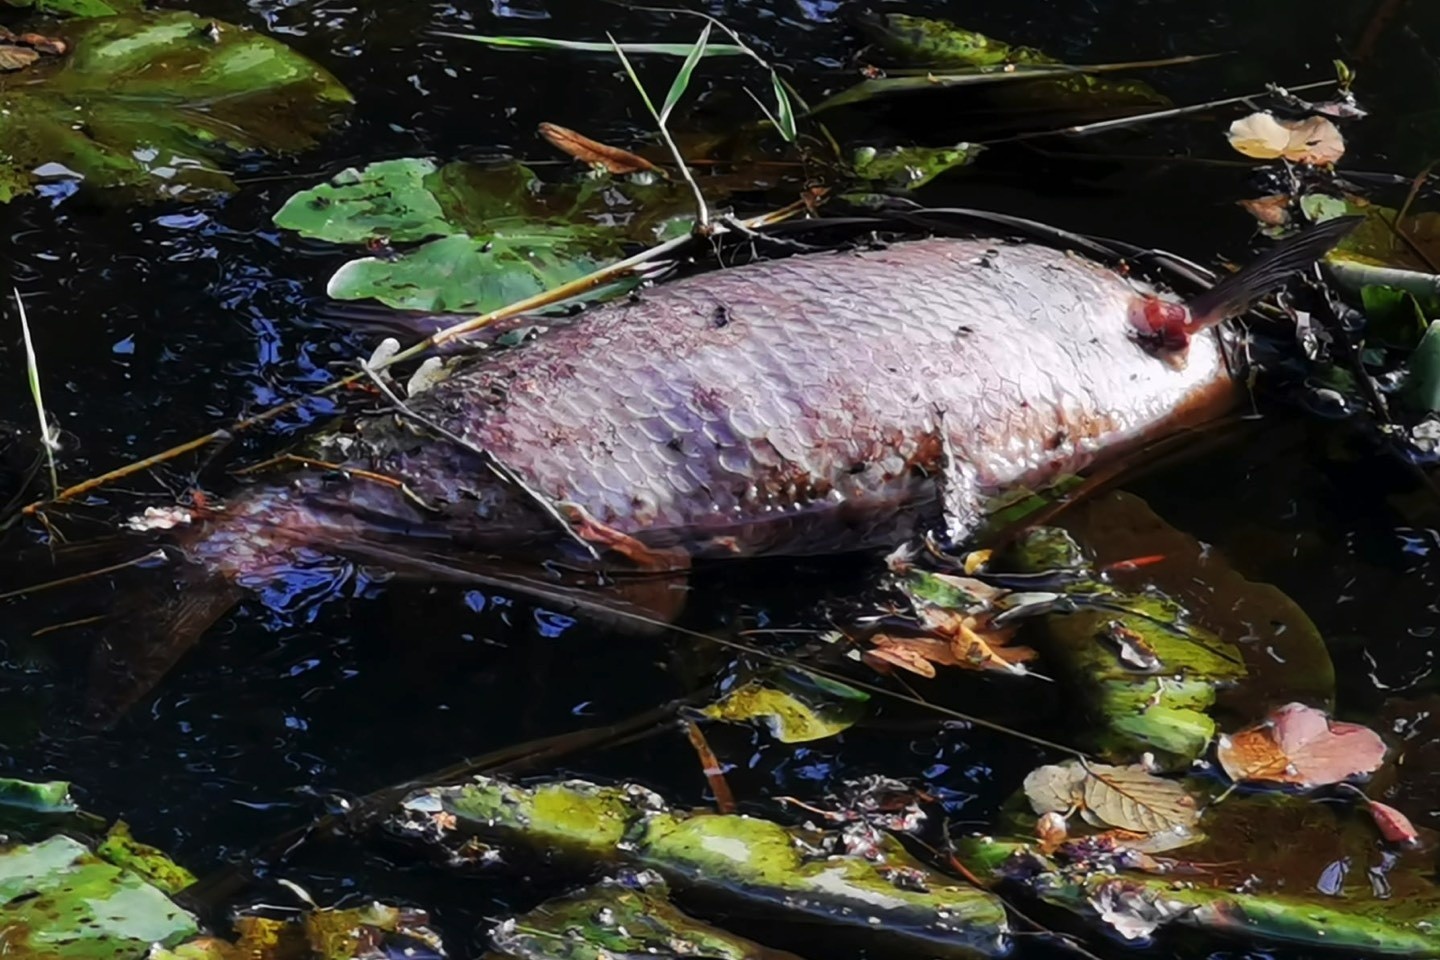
column 160, row 518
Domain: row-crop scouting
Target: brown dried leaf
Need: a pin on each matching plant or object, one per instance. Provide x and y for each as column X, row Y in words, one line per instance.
column 50, row 46
column 1300, row 745
column 918, row 655
column 1314, row 140
column 16, row 58
column 1132, row 798
column 1055, row 788
column 592, row 152
column 974, row 643
column 1272, row 211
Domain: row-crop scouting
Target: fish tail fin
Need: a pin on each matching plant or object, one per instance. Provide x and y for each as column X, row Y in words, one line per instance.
column 156, row 624
column 1236, row 293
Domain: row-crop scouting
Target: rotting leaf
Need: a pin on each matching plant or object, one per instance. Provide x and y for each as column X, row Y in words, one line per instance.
column 148, row 102
column 14, row 57
column 613, row 160
column 795, row 709
column 910, row 168
column 1132, row 798
column 1300, row 746
column 123, row 850
column 1314, row 140
column 1134, row 911
column 1129, row 797
column 1393, row 825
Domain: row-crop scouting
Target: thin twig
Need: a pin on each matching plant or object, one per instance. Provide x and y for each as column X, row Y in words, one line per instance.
column 1088, row 128
column 77, row 578
column 710, row 765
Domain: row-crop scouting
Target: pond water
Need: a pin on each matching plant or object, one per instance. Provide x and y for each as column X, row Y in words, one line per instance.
column 155, row 324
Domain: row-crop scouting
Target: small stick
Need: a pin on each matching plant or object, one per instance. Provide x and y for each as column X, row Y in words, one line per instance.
column 711, row 767
column 77, row 578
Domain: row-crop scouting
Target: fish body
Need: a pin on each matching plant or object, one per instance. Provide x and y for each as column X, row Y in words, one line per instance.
column 815, row 404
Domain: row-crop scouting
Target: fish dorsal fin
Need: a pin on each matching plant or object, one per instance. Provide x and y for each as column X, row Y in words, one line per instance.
column 1235, row 294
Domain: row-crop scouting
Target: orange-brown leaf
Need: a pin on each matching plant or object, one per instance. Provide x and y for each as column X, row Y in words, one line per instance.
column 918, row 655
column 50, row 46
column 593, row 152
column 1271, row 211
column 16, row 58
column 1300, row 745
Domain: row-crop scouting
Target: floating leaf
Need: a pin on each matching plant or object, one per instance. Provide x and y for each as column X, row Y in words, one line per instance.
column 462, row 274
column 1271, row 211
column 63, row 903
column 1314, row 140
column 585, row 46
column 391, row 200
column 76, row 8
column 1051, row 831
column 503, row 233
column 1132, row 910
column 609, row 920
column 123, row 850
column 1132, row 798
column 153, row 102
column 794, row 709
column 16, row 58
column 613, row 159
column 1300, row 745
column 1055, row 788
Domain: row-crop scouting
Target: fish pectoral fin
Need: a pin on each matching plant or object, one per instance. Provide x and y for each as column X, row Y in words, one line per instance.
column 607, row 538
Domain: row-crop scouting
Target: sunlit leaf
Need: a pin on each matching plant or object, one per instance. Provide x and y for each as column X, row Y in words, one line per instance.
column 922, row 41
column 463, row 274
column 592, row 152
column 61, row 902
column 1127, row 797
column 123, row 850
column 1314, row 140
column 791, row 712
column 1300, row 745
column 681, row 83
column 156, row 102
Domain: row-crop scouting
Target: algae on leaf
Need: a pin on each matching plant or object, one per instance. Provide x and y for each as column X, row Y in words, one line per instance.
column 617, row 918
column 61, row 902
column 755, row 864
column 156, row 103
column 1265, row 869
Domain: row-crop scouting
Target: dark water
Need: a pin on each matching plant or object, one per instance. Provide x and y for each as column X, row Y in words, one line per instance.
column 156, row 324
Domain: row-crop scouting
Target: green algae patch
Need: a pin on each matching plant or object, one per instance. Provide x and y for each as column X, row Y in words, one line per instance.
column 1272, row 867
column 801, row 875
column 61, row 902
column 617, row 918
column 153, row 104
column 123, row 850
column 796, row 707
column 1154, row 650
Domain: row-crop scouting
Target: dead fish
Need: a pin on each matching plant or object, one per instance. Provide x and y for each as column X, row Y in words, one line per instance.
column 850, row 400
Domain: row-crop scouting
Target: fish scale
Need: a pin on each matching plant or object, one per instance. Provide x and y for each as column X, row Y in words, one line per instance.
column 805, row 405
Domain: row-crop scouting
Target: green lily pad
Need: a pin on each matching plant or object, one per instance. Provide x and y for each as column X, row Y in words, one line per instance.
column 61, row 902
column 1271, row 867
column 754, row 864
column 155, row 102
column 462, row 274
column 795, row 708
column 25, row 805
column 615, row 919
column 503, row 235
